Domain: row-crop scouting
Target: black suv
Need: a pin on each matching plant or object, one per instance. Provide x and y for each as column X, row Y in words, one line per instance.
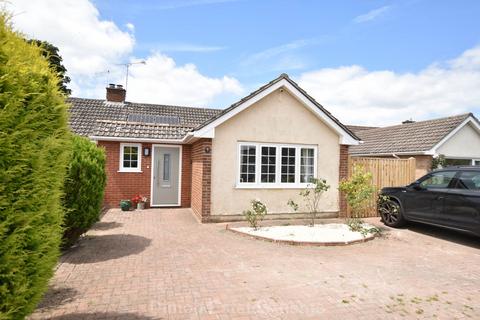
column 448, row 197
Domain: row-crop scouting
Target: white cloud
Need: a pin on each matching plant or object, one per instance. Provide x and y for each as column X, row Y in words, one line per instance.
column 371, row 15
column 360, row 96
column 93, row 50
column 87, row 43
column 130, row 26
column 182, row 47
column 273, row 52
column 158, row 81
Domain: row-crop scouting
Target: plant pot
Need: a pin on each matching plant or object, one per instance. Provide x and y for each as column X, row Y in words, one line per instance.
column 141, row 205
column 125, row 205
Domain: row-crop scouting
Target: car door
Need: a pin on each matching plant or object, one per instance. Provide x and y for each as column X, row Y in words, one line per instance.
column 424, row 200
column 462, row 203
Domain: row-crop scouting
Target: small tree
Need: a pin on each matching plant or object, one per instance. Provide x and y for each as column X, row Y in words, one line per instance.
column 34, row 151
column 84, row 187
column 292, row 204
column 256, row 214
column 50, row 52
column 312, row 194
column 358, row 190
column 438, row 162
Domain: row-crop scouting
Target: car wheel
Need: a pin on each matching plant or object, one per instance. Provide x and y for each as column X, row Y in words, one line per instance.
column 391, row 213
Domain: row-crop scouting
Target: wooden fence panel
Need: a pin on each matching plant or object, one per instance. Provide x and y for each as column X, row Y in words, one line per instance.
column 386, row 172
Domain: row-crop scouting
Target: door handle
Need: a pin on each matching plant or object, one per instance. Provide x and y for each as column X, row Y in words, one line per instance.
column 440, row 198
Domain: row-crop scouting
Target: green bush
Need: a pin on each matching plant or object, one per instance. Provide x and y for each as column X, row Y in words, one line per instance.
column 358, row 190
column 84, row 187
column 34, row 150
column 256, row 214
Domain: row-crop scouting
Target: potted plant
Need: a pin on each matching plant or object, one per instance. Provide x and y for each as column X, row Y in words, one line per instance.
column 125, row 205
column 140, row 201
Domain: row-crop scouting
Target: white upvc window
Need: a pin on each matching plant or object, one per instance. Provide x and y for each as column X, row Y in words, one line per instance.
column 130, row 157
column 268, row 165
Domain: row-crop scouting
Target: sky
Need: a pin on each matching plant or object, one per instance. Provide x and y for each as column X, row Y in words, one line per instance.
column 368, row 62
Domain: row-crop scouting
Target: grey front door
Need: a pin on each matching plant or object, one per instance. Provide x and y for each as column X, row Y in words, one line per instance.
column 166, row 176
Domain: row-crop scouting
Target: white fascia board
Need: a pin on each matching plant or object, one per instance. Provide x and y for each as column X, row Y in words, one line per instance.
column 470, row 119
column 208, row 130
column 145, row 140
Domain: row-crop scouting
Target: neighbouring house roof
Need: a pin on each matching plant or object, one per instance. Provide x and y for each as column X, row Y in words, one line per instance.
column 355, row 129
column 94, row 117
column 222, row 116
column 409, row 138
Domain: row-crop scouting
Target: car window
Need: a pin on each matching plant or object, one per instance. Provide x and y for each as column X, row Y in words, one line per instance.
column 469, row 180
column 438, row 180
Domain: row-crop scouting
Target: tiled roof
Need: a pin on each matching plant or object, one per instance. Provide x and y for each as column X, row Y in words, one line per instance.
column 107, row 128
column 409, row 137
column 355, row 129
column 271, row 83
column 84, row 114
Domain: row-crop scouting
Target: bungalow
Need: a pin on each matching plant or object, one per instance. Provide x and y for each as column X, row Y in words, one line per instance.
column 266, row 146
column 456, row 138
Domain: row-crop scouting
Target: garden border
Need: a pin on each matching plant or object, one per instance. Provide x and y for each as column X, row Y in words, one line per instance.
column 302, row 243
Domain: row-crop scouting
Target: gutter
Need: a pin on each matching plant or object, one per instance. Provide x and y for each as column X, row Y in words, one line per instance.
column 146, row 140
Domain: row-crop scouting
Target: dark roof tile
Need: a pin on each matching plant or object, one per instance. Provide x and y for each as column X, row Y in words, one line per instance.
column 84, row 114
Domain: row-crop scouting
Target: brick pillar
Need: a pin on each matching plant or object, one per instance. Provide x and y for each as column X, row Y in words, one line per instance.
column 343, row 174
column 201, row 178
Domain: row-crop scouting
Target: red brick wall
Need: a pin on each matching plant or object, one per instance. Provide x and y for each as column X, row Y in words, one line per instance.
column 186, row 175
column 201, row 178
column 343, row 174
column 125, row 185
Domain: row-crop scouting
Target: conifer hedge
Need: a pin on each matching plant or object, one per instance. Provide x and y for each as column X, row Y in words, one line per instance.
column 84, row 187
column 34, row 150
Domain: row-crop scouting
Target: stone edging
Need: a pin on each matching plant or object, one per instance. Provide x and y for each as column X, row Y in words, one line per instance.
column 302, row 243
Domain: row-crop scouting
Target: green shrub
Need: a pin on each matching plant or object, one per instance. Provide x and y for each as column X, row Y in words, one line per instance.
column 34, row 150
column 358, row 190
column 312, row 194
column 84, row 187
column 256, row 214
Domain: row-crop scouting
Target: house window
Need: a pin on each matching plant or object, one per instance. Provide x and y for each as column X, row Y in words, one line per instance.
column 457, row 162
column 267, row 165
column 130, row 157
column 247, row 163
column 307, row 164
column 288, row 165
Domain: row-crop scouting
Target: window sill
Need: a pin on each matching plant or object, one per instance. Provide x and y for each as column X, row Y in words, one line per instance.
column 130, row 171
column 263, row 186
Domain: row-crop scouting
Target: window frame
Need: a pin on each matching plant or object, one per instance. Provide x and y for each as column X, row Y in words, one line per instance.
column 450, row 185
column 268, row 165
column 139, row 159
column 278, row 152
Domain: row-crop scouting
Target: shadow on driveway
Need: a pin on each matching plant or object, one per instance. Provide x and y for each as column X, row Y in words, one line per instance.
column 445, row 234
column 92, row 249
column 57, row 296
column 103, row 316
column 102, row 226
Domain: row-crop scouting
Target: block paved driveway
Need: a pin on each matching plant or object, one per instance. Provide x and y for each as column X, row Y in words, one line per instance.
column 162, row 264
